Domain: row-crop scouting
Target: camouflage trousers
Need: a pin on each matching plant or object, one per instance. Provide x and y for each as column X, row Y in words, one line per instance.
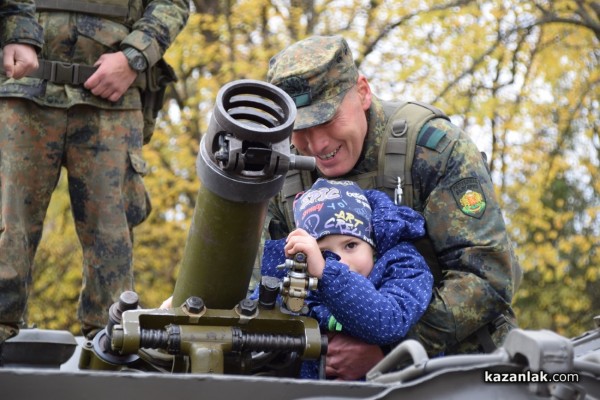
column 443, row 331
column 101, row 152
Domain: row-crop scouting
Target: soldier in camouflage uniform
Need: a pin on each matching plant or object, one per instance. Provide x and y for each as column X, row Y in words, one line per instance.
column 21, row 37
column 82, row 110
column 342, row 124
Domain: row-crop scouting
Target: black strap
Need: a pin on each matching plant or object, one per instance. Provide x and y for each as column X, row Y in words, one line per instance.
column 484, row 334
column 60, row 72
column 69, row 73
column 109, row 10
column 63, row 73
column 485, row 339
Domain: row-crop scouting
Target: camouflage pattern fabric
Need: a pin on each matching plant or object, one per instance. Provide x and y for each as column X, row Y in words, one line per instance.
column 451, row 188
column 80, row 38
column 98, row 142
column 317, row 91
column 100, row 150
column 476, row 257
column 18, row 24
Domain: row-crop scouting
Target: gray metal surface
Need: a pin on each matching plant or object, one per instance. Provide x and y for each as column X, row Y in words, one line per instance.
column 454, row 377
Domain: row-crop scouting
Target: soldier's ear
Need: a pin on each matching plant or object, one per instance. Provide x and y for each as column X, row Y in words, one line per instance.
column 364, row 92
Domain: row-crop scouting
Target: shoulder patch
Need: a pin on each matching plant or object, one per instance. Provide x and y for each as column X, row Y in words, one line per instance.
column 430, row 137
column 469, row 197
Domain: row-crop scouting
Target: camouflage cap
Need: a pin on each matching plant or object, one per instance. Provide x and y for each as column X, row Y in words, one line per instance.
column 317, row 73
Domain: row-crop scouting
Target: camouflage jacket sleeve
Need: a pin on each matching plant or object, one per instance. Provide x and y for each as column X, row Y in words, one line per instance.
column 161, row 22
column 18, row 24
column 454, row 191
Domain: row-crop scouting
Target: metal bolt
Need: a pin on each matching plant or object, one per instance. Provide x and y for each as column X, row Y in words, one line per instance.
column 128, row 300
column 247, row 307
column 270, row 282
column 194, row 304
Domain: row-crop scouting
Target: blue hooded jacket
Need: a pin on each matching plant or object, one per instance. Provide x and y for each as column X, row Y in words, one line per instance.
column 381, row 308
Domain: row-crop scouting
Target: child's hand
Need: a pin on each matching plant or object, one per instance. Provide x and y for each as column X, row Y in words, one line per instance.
column 300, row 241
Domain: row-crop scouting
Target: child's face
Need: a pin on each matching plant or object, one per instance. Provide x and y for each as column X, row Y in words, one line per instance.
column 355, row 253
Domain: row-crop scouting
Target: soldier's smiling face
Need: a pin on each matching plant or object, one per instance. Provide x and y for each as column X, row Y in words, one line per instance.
column 337, row 144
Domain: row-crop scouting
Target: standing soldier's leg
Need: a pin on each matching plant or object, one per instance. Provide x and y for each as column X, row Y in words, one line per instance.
column 31, row 145
column 99, row 161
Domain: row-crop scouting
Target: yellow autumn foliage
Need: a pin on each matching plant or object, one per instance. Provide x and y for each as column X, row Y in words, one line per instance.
column 529, row 92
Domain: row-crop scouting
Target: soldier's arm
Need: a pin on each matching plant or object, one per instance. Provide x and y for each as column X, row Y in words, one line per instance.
column 161, row 22
column 152, row 35
column 21, row 37
column 469, row 236
column 18, row 24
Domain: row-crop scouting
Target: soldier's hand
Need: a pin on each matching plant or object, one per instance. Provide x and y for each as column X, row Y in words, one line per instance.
column 349, row 358
column 112, row 78
column 19, row 60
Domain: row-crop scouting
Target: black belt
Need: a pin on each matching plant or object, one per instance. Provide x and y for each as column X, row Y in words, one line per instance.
column 69, row 73
column 110, row 10
column 62, row 72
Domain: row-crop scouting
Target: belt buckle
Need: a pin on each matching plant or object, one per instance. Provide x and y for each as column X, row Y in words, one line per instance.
column 63, row 72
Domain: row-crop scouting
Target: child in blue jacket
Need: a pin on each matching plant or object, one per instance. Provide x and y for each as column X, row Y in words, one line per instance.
column 373, row 283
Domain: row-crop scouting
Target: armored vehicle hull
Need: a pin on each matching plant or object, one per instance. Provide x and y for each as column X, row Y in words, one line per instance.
column 521, row 369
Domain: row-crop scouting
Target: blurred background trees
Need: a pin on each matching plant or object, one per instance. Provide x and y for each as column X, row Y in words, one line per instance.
column 520, row 76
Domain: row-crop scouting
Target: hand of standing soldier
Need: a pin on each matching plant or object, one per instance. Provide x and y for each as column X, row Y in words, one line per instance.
column 349, row 358
column 300, row 241
column 112, row 78
column 19, row 60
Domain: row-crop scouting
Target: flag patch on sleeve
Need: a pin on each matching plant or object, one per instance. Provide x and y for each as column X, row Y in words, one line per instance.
column 469, row 197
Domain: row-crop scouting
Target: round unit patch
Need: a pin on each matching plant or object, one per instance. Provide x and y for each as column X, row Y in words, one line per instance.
column 469, row 197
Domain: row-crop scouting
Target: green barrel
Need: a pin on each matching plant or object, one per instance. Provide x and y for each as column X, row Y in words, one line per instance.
column 243, row 160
